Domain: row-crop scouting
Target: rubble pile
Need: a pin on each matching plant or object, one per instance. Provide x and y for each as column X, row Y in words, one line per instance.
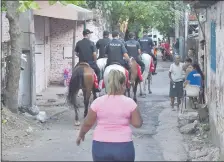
column 16, row 129
column 196, row 136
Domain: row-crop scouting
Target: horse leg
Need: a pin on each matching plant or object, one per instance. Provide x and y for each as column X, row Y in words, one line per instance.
column 86, row 94
column 149, row 82
column 144, row 85
column 140, row 85
column 77, row 123
column 135, row 91
column 94, row 94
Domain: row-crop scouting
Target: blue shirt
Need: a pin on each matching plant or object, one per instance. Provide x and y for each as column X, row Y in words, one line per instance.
column 194, row 78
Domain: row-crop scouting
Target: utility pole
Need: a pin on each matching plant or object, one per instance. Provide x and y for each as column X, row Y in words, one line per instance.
column 73, row 45
column 177, row 21
column 186, row 32
column 182, row 34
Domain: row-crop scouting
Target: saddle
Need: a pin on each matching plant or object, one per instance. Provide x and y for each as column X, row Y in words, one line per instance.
column 96, row 85
column 116, row 63
column 83, row 63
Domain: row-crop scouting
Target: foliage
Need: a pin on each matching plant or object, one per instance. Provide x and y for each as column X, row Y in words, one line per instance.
column 140, row 14
column 26, row 5
column 149, row 14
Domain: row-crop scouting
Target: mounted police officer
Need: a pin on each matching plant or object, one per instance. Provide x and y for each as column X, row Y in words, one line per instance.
column 134, row 50
column 116, row 50
column 101, row 44
column 86, row 51
column 147, row 45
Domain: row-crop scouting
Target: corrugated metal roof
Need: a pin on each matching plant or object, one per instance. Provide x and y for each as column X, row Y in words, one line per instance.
column 60, row 11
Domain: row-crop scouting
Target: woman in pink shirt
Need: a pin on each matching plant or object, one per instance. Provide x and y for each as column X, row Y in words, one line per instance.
column 114, row 112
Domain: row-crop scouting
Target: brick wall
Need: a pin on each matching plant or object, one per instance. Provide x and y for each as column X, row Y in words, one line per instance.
column 62, row 35
column 215, row 81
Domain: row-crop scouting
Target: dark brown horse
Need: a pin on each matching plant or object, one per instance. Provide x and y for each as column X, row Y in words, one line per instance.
column 82, row 78
column 133, row 78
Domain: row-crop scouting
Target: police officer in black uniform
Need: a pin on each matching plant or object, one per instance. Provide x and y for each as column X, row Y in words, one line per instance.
column 116, row 50
column 146, row 44
column 134, row 50
column 101, row 44
column 86, row 51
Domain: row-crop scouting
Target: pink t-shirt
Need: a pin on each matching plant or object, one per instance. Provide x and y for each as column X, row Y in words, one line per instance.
column 113, row 118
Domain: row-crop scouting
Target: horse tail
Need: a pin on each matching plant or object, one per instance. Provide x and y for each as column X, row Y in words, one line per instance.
column 76, row 82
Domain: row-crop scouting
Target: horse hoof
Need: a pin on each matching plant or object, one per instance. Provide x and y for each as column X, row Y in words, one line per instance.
column 150, row 92
column 143, row 95
column 140, row 94
column 77, row 123
column 135, row 99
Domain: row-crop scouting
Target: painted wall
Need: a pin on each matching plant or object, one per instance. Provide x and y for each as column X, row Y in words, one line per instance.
column 215, row 80
column 42, row 52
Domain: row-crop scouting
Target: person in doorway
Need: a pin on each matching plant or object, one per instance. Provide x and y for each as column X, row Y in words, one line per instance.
column 198, row 69
column 116, row 50
column 186, row 67
column 194, row 77
column 86, row 51
column 134, row 50
column 102, row 43
column 112, row 139
column 202, row 63
column 194, row 82
column 176, row 75
column 191, row 54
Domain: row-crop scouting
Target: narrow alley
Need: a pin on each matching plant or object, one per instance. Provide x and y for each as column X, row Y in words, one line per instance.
column 158, row 139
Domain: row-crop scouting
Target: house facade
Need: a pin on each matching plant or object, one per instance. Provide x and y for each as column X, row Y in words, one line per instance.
column 211, row 17
column 56, row 34
column 48, row 39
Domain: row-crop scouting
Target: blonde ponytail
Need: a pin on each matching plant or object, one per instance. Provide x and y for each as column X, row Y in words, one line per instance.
column 115, row 81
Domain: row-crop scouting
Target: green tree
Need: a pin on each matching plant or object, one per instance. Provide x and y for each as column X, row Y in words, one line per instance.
column 144, row 14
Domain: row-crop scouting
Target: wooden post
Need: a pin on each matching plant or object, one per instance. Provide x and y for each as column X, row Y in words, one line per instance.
column 73, row 45
column 32, row 58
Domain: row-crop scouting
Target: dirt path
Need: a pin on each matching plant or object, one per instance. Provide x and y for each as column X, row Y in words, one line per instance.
column 157, row 140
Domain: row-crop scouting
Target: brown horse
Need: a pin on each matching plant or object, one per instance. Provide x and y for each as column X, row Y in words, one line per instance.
column 82, row 78
column 134, row 79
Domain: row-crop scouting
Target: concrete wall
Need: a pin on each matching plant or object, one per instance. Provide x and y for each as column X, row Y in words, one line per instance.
column 215, row 81
column 62, row 36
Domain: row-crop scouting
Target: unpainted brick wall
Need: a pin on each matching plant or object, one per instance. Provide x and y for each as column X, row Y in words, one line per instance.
column 62, row 35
